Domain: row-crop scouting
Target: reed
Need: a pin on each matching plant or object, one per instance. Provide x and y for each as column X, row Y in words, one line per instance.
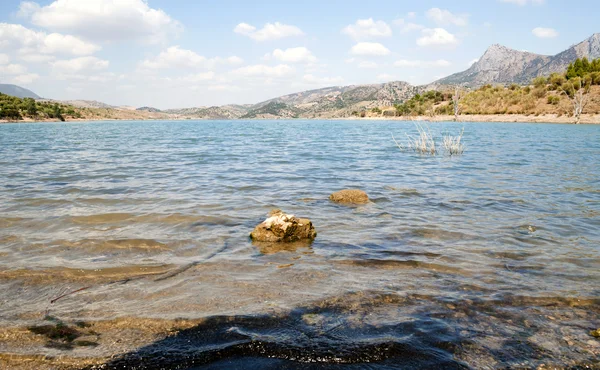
column 425, row 142
column 453, row 145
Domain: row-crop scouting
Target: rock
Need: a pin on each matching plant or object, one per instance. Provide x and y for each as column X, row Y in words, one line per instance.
column 595, row 333
column 283, row 228
column 350, row 196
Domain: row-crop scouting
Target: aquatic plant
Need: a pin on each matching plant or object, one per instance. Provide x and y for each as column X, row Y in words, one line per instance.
column 453, row 145
column 425, row 142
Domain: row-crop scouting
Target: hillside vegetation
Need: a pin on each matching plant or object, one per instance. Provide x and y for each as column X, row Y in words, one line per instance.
column 13, row 108
column 555, row 94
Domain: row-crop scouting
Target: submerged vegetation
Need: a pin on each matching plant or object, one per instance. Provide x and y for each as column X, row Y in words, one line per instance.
column 425, row 142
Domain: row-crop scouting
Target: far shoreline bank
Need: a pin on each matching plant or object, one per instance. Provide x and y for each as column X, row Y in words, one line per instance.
column 586, row 119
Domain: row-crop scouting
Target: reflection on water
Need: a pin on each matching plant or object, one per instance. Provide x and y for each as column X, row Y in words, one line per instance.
column 140, row 231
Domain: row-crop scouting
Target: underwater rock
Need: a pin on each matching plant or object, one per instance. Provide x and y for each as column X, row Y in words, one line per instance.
column 283, row 228
column 350, row 196
column 595, row 333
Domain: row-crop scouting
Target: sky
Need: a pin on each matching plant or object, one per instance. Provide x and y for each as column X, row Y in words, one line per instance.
column 175, row 53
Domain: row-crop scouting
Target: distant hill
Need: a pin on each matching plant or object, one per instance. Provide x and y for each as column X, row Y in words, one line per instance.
column 149, row 109
column 339, row 101
column 232, row 111
column 17, row 91
column 500, row 64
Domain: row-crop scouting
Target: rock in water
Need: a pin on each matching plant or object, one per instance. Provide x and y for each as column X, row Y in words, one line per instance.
column 350, row 196
column 283, row 228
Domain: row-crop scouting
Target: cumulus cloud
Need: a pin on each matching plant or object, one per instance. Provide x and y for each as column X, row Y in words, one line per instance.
column 4, row 59
column 444, row 17
column 270, row 31
column 421, row 64
column 524, row 2
column 76, row 65
column 294, row 55
column 25, row 79
column 406, row 27
column 544, row 33
column 280, row 70
column 367, row 28
column 436, row 37
column 103, row 20
column 12, row 69
column 313, row 80
column 384, row 77
column 369, row 49
column 176, row 57
column 26, row 41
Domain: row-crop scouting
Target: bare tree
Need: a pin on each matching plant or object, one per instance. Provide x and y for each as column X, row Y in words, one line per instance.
column 578, row 93
column 455, row 102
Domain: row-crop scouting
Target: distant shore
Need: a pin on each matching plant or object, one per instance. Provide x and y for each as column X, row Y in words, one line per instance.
column 509, row 118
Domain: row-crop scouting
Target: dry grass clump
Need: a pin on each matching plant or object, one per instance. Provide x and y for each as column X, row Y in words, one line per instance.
column 425, row 143
column 453, row 145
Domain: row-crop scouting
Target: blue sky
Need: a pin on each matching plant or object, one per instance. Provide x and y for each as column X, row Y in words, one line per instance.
column 170, row 53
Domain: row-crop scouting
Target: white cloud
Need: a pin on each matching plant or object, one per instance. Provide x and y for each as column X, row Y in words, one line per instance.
column 176, row 57
column 234, row 60
column 280, row 70
column 421, row 64
column 544, row 33
column 436, row 37
column 26, row 41
column 411, row 15
column 81, row 64
column 294, row 55
column 367, row 28
column 369, row 49
column 473, row 61
column 271, row 31
column 4, row 59
column 524, row 2
column 104, row 20
column 199, row 77
column 310, row 79
column 12, row 69
column 367, row 65
column 25, row 79
column 444, row 17
column 406, row 27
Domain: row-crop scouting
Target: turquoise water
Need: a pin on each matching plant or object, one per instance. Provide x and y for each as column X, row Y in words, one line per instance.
column 488, row 259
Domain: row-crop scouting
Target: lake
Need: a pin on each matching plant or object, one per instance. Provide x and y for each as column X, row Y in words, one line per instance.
column 132, row 238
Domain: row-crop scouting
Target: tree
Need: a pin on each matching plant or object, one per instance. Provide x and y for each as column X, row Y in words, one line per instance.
column 456, row 102
column 30, row 107
column 577, row 90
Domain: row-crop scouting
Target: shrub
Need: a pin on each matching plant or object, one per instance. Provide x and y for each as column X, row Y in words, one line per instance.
column 553, row 99
column 539, row 92
column 539, row 81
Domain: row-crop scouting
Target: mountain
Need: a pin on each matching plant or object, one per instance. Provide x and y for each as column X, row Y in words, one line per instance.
column 503, row 65
column 17, row 91
column 149, row 109
column 232, row 111
column 339, row 101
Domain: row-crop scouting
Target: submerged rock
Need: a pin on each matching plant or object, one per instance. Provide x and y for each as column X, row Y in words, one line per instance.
column 595, row 333
column 283, row 228
column 350, row 196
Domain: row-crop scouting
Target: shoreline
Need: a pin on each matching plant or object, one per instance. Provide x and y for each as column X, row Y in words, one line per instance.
column 593, row 119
